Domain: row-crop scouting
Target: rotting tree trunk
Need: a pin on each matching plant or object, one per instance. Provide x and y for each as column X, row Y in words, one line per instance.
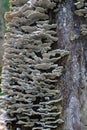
column 34, row 70
column 72, row 82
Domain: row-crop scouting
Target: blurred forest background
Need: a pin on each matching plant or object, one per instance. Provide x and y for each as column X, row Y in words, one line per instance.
column 4, row 7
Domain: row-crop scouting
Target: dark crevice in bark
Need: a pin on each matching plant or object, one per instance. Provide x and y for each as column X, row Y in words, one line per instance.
column 68, row 33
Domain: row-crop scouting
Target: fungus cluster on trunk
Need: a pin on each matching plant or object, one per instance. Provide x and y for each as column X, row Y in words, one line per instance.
column 33, row 62
column 30, row 73
column 81, row 10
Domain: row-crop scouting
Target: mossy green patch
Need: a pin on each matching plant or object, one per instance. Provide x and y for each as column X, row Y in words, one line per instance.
column 0, row 69
column 2, row 94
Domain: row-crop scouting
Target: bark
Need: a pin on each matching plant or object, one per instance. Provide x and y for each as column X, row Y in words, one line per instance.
column 84, row 83
column 68, row 33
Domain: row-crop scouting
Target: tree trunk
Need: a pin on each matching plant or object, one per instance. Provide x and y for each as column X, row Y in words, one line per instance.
column 36, row 73
column 70, row 39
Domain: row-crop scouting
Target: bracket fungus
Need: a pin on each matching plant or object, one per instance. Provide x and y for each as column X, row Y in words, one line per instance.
column 81, row 10
column 31, row 71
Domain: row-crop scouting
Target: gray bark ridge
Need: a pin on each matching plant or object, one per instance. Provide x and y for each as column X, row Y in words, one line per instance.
column 68, row 34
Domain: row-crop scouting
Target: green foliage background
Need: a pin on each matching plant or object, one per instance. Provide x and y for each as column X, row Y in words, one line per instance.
column 5, row 8
column 5, row 5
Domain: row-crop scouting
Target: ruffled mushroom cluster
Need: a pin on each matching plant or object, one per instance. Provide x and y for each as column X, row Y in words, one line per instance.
column 31, row 71
column 81, row 10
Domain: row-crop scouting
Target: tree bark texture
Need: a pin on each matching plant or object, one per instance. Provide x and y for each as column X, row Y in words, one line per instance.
column 76, row 67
